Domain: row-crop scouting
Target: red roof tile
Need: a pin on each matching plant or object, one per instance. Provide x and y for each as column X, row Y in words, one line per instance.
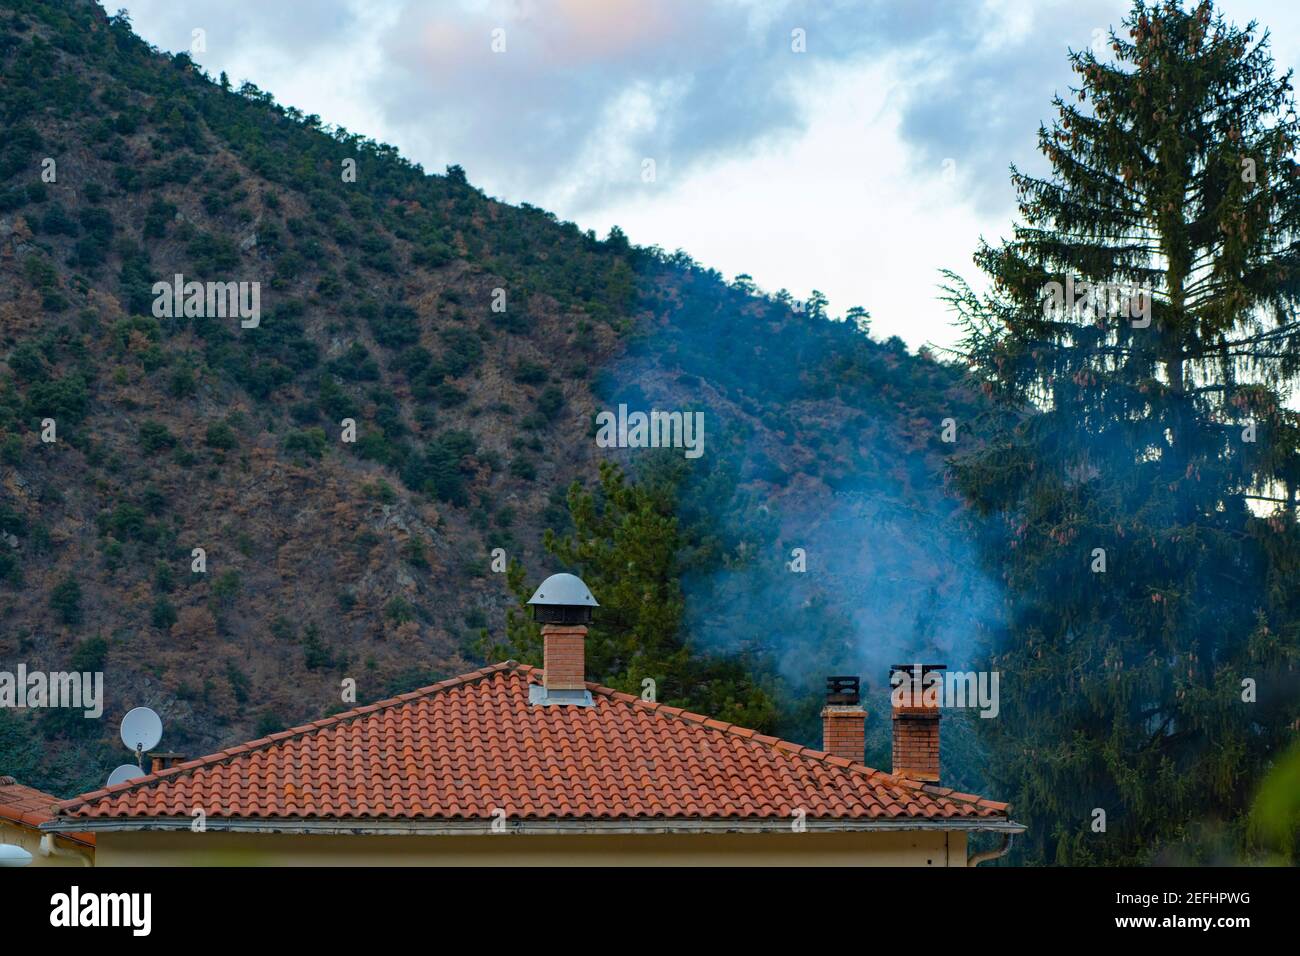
column 466, row 747
column 30, row 808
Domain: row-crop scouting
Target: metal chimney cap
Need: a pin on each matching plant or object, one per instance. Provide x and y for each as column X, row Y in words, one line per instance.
column 565, row 590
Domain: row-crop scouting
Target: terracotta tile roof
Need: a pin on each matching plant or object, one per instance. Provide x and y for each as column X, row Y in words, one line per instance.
column 25, row 807
column 462, row 748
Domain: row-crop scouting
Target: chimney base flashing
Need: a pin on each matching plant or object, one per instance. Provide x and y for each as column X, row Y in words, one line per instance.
column 921, row 776
column 537, row 694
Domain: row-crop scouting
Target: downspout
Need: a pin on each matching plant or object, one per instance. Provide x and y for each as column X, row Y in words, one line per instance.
column 50, row 848
column 997, row 854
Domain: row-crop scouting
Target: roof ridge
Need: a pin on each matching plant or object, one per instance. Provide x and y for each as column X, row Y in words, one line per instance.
column 260, row 743
column 859, row 768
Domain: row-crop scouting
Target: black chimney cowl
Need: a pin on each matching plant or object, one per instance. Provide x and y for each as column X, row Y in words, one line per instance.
column 842, row 690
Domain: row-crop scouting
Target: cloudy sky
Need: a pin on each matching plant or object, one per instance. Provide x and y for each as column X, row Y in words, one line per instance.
column 859, row 166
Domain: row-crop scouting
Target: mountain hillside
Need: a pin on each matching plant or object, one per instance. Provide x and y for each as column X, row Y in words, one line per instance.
column 471, row 342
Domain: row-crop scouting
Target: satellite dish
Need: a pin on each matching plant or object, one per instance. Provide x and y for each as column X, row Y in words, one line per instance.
column 11, row 855
column 141, row 730
column 128, row 771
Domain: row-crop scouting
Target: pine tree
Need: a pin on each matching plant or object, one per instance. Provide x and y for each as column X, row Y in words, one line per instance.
column 1139, row 342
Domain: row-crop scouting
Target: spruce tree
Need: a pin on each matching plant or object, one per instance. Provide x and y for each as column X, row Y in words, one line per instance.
column 1139, row 343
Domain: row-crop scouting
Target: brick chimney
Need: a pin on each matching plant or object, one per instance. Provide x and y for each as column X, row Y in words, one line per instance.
column 564, row 649
column 159, row 760
column 843, row 719
column 916, row 722
column 563, row 606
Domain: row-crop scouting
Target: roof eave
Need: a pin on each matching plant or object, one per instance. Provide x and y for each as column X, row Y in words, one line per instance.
column 395, row 827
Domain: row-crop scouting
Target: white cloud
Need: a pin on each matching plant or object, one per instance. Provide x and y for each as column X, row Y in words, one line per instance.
column 845, row 209
column 816, row 170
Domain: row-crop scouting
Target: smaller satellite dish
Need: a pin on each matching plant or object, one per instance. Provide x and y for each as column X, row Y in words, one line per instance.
column 11, row 855
column 128, row 771
column 141, row 729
